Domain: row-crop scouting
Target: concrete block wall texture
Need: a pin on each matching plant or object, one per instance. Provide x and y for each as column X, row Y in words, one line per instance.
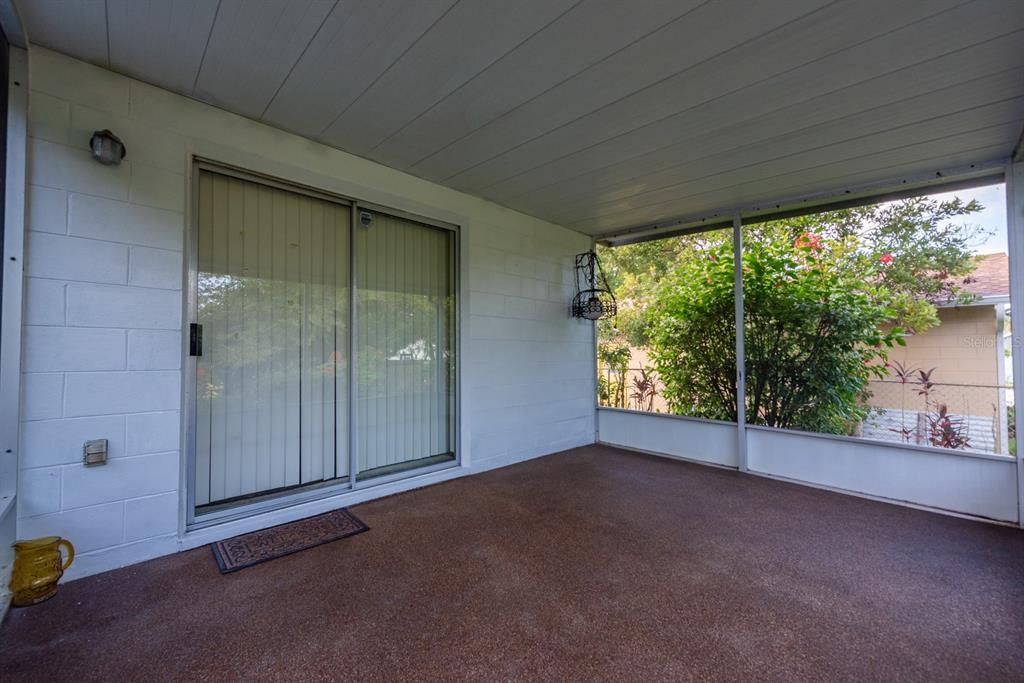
column 105, row 282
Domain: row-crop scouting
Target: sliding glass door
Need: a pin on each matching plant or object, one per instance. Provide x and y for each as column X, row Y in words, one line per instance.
column 405, row 335
column 275, row 407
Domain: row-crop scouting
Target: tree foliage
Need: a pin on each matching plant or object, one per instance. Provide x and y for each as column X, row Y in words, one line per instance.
column 924, row 244
column 926, row 255
column 813, row 335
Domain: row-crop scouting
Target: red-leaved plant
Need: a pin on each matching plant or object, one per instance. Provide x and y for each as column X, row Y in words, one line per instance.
column 944, row 430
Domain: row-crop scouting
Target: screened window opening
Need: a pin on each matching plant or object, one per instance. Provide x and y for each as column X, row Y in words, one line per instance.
column 672, row 346
column 887, row 321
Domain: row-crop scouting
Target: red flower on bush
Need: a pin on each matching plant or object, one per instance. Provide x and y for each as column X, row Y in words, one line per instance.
column 808, row 240
column 885, row 259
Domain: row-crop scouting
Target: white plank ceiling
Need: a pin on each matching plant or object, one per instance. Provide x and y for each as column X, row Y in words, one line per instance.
column 596, row 114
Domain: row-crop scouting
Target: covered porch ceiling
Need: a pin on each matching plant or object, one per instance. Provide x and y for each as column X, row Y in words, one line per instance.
column 600, row 115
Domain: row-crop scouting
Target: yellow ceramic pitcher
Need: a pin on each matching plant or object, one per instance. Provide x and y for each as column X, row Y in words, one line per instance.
column 38, row 567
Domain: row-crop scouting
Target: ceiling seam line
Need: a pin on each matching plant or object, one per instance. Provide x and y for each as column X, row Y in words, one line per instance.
column 569, row 179
column 298, row 59
column 809, row 168
column 799, row 170
column 776, row 29
column 828, row 122
column 666, row 228
column 564, row 80
column 672, row 219
column 748, row 166
column 733, row 92
column 619, row 99
column 518, row 45
column 592, row 219
column 389, row 67
column 444, row 180
column 209, row 34
column 817, row 148
column 106, row 25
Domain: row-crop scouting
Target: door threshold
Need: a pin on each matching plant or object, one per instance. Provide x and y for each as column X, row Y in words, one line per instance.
column 306, row 493
column 236, row 502
column 237, row 508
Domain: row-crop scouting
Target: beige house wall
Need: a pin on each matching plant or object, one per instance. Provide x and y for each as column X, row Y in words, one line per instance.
column 962, row 347
column 964, row 350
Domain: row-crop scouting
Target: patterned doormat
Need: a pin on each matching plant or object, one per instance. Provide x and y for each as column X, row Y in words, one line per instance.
column 267, row 544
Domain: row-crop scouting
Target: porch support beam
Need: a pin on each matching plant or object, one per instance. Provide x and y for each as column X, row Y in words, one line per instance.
column 13, row 235
column 741, row 385
column 938, row 180
column 1015, row 243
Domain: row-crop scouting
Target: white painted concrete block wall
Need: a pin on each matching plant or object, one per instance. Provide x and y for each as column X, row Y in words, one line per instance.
column 103, row 311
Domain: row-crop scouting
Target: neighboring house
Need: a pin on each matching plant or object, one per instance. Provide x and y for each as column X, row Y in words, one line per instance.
column 967, row 351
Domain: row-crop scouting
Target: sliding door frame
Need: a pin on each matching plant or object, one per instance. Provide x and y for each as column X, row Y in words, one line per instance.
column 318, row 490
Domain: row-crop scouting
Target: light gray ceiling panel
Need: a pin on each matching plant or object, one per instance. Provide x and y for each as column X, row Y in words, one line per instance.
column 869, row 134
column 160, row 41
column 682, row 45
column 468, row 39
column 590, row 32
column 253, row 47
column 779, row 178
column 849, row 80
column 74, row 27
column 826, row 181
column 358, row 42
column 600, row 115
column 828, row 31
column 931, row 85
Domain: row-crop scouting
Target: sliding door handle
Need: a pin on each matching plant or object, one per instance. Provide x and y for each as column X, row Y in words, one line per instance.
column 195, row 339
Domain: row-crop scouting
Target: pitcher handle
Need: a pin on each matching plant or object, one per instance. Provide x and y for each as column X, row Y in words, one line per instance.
column 69, row 551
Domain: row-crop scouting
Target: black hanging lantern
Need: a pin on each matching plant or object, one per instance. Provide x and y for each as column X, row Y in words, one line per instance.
column 594, row 299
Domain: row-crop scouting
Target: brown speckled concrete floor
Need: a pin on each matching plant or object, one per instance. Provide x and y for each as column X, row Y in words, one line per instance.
column 590, row 564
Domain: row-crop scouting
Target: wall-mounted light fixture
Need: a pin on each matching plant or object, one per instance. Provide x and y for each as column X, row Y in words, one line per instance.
column 594, row 299
column 107, row 148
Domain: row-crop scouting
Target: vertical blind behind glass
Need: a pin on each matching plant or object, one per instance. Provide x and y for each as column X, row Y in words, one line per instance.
column 273, row 295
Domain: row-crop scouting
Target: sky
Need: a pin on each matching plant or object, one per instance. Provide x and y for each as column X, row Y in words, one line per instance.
column 993, row 218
